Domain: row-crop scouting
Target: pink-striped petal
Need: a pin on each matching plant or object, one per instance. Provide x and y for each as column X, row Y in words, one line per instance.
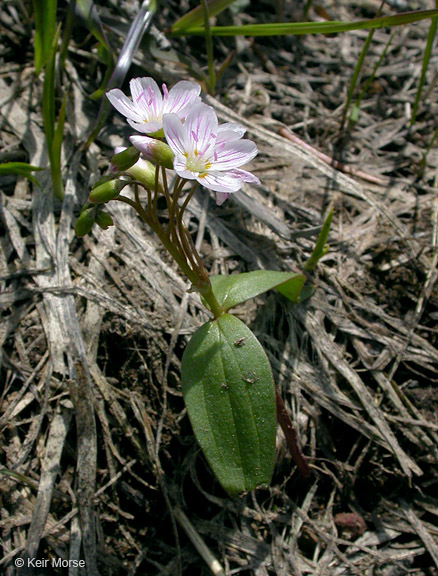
column 229, row 131
column 200, row 127
column 234, row 154
column 220, row 181
column 147, row 97
column 146, row 127
column 245, row 176
column 123, row 104
column 175, row 134
column 181, row 97
column 142, row 143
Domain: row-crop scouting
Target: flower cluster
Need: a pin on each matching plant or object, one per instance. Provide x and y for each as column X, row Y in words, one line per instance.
column 201, row 149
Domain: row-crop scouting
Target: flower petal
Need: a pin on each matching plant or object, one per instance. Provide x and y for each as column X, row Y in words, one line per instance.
column 175, row 134
column 123, row 104
column 142, row 143
column 201, row 129
column 146, row 96
column 234, row 154
column 221, row 197
column 220, row 181
column 230, row 131
column 245, row 176
column 146, row 127
column 181, row 97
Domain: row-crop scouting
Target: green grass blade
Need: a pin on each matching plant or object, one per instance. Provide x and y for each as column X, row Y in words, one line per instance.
column 209, row 47
column 195, row 17
column 321, row 245
column 357, row 69
column 355, row 75
column 301, row 28
column 140, row 25
column 87, row 11
column 48, row 102
column 20, row 169
column 53, row 130
column 45, row 28
column 426, row 58
column 355, row 108
column 55, row 157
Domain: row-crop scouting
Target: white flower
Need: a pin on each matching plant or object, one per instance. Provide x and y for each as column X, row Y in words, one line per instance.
column 209, row 153
column 145, row 111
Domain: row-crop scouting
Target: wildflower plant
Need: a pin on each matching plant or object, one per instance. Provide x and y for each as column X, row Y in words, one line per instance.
column 227, row 381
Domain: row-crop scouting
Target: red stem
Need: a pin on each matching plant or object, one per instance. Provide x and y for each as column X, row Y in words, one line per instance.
column 291, row 438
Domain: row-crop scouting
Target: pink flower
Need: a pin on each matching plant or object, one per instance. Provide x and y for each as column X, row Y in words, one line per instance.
column 209, row 153
column 145, row 111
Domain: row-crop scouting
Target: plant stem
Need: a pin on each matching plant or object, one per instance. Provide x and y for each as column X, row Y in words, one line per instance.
column 182, row 251
column 291, row 437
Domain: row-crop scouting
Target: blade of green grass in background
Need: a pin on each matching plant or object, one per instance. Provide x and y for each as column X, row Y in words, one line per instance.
column 45, row 28
column 426, row 58
column 20, row 169
column 138, row 28
column 321, row 246
column 358, row 68
column 209, row 48
column 354, row 114
column 195, row 17
column 48, row 98
column 355, row 75
column 87, row 12
column 300, row 28
column 53, row 130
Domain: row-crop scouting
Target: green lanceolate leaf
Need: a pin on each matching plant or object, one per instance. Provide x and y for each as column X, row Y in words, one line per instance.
column 237, row 288
column 229, row 392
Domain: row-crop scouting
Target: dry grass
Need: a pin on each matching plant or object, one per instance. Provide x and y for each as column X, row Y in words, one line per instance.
column 98, row 460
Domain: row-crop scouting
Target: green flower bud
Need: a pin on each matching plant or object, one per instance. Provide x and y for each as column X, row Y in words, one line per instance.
column 125, row 159
column 144, row 172
column 85, row 221
column 104, row 220
column 107, row 191
column 154, row 150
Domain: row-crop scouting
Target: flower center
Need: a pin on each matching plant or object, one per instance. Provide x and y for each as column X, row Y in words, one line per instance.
column 196, row 162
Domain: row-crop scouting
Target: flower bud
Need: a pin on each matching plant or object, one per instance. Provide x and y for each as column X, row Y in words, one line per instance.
column 144, row 172
column 85, row 221
column 125, row 159
column 106, row 191
column 154, row 150
column 104, row 220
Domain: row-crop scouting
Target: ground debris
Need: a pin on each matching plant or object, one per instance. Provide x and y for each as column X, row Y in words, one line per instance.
column 96, row 446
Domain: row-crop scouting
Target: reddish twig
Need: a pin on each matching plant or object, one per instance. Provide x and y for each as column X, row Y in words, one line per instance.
column 291, row 438
column 330, row 161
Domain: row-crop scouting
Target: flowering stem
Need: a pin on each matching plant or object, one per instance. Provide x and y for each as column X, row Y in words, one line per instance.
column 187, row 200
column 182, row 250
